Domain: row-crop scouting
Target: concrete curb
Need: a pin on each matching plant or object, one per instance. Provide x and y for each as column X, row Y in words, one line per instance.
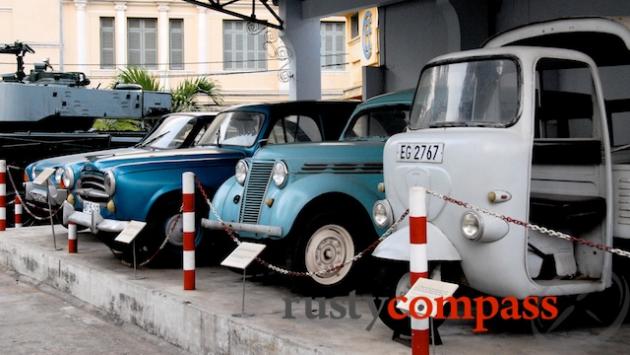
column 166, row 315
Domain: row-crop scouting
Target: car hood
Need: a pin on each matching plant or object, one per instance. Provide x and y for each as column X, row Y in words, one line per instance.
column 65, row 160
column 162, row 157
column 355, row 155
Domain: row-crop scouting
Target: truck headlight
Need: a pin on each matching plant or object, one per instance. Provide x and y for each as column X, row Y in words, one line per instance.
column 471, row 226
column 110, row 182
column 279, row 173
column 240, row 172
column 67, row 178
column 382, row 213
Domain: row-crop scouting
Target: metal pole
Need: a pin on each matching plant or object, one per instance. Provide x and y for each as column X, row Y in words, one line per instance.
column 135, row 265
column 243, row 298
column 50, row 213
column 3, row 195
column 418, row 265
column 188, row 229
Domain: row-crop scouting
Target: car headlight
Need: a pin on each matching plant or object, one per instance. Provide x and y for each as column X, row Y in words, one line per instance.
column 59, row 177
column 382, row 213
column 110, row 182
column 67, row 178
column 240, row 172
column 471, row 226
column 279, row 173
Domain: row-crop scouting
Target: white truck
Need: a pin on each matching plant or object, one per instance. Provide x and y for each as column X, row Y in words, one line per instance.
column 522, row 127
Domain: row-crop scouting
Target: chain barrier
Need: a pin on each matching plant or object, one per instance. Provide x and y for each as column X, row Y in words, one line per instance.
column 233, row 235
column 25, row 203
column 533, row 227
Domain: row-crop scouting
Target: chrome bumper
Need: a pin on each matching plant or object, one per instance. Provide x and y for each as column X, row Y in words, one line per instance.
column 93, row 221
column 273, row 231
column 38, row 194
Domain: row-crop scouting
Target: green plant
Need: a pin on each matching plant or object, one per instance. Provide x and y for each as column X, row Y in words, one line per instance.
column 185, row 93
column 139, row 76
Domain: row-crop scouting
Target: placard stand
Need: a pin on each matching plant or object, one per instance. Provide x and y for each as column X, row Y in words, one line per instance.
column 240, row 258
column 128, row 236
column 44, row 179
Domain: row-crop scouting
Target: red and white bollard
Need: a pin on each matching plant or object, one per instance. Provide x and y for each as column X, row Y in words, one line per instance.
column 18, row 212
column 3, row 195
column 188, row 217
column 72, row 238
column 418, row 264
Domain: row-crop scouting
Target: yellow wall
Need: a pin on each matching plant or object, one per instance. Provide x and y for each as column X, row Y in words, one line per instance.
column 355, row 51
column 18, row 22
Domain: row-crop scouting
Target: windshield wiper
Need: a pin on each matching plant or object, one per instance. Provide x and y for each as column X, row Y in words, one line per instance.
column 148, row 142
column 218, row 137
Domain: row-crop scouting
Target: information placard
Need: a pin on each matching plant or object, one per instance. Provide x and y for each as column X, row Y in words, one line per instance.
column 130, row 232
column 44, row 176
column 429, row 289
column 243, row 255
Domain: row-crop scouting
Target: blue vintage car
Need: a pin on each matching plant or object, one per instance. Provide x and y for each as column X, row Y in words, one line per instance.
column 147, row 187
column 174, row 131
column 317, row 198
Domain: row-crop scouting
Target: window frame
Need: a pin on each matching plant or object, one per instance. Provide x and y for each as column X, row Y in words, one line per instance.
column 102, row 49
column 238, row 29
column 153, row 65
column 329, row 61
column 171, row 64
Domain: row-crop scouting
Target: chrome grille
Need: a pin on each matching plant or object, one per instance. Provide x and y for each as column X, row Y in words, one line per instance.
column 255, row 190
column 91, row 180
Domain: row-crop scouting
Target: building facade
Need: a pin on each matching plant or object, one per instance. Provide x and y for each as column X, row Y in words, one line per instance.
column 173, row 40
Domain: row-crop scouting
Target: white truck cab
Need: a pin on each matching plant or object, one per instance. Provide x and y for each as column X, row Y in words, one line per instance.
column 524, row 128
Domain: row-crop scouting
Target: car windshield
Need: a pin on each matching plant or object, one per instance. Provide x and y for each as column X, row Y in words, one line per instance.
column 481, row 93
column 171, row 133
column 378, row 124
column 237, row 128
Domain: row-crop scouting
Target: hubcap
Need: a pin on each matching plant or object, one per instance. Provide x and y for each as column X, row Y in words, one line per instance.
column 173, row 230
column 329, row 246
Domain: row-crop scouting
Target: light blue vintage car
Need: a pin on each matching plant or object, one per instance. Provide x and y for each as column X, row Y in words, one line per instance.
column 147, row 187
column 174, row 131
column 315, row 198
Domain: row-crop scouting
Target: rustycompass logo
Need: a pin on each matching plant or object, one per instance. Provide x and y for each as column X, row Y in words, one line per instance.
column 485, row 308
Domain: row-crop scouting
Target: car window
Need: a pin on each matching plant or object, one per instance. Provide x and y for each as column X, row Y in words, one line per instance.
column 378, row 124
column 237, row 128
column 171, row 133
column 295, row 129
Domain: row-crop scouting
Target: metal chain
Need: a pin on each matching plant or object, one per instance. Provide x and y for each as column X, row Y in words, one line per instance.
column 234, row 236
column 534, row 227
column 23, row 200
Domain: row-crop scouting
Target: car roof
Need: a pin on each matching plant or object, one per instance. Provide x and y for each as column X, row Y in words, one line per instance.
column 402, row 97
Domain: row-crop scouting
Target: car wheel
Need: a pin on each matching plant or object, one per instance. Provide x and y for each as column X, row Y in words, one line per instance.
column 327, row 241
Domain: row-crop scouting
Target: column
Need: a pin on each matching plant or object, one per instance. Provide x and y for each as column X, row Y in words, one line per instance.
column 163, row 44
column 120, row 32
column 302, row 38
column 202, row 40
column 81, row 44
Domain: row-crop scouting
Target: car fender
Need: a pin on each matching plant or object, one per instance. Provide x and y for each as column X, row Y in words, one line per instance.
column 396, row 246
column 223, row 201
column 291, row 200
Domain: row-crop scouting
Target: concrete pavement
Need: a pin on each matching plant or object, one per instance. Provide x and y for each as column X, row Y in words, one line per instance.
column 41, row 320
column 202, row 321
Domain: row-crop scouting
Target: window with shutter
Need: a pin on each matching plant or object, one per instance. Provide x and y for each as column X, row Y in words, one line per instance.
column 142, row 42
column 333, row 45
column 176, row 44
column 107, row 43
column 243, row 50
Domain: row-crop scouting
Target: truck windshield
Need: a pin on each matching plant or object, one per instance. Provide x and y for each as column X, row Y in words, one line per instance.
column 171, row 133
column 481, row 93
column 378, row 124
column 237, row 128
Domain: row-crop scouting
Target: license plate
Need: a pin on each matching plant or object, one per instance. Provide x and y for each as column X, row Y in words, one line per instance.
column 420, row 152
column 89, row 207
